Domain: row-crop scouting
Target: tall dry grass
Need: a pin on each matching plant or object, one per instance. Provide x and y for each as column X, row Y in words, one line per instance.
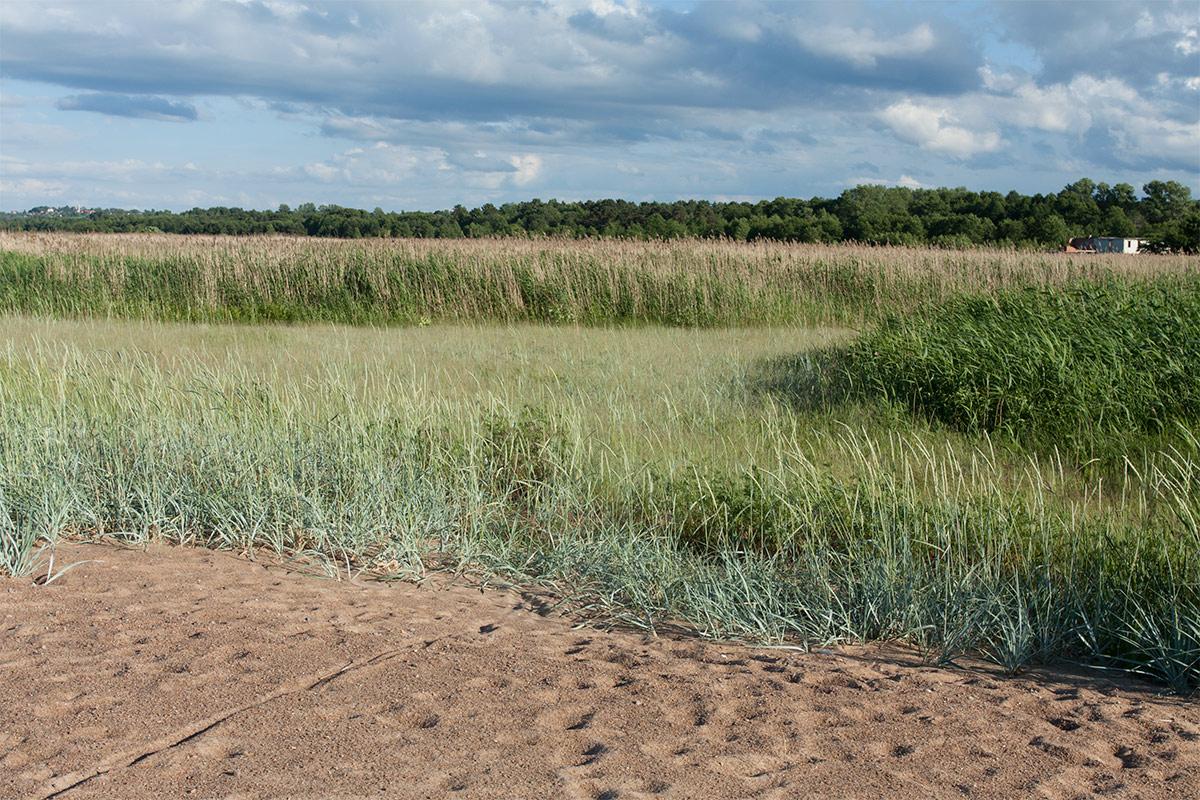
column 680, row 282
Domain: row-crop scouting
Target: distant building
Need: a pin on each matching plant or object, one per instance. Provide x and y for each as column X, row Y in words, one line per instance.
column 1103, row 244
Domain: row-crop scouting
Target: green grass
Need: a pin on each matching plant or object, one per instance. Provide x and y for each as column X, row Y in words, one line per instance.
column 646, row 475
column 1099, row 371
column 1003, row 463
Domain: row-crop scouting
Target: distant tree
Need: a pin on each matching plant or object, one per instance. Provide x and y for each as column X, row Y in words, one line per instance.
column 1115, row 222
column 1166, row 201
column 952, row 217
column 1077, row 206
column 1049, row 230
column 1121, row 196
column 1011, row 230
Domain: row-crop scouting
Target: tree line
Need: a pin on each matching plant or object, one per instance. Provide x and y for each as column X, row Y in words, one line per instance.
column 1166, row 216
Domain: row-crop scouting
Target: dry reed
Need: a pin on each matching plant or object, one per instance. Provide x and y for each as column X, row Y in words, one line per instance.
column 681, row 282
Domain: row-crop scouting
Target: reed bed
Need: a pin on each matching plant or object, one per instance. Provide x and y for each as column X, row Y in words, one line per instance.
column 642, row 474
column 594, row 282
column 1096, row 369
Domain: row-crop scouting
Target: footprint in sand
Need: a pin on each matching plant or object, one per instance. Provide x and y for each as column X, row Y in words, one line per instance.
column 578, row 647
column 1129, row 758
column 593, row 753
column 1064, row 723
column 456, row 782
column 584, row 721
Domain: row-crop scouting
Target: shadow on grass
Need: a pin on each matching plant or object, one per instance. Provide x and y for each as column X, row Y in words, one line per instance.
column 816, row 380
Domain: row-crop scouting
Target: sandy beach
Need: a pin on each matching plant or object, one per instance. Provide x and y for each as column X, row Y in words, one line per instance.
column 176, row 672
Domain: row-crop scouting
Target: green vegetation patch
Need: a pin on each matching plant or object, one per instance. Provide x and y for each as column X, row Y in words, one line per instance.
column 1071, row 367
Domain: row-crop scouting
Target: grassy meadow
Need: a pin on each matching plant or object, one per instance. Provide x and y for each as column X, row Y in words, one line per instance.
column 978, row 453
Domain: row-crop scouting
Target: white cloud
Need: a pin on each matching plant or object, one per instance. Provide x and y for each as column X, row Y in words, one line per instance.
column 933, row 128
column 322, row 171
column 127, row 170
column 741, row 29
column 1054, row 108
column 907, row 181
column 465, row 47
column 1139, row 137
column 383, row 165
column 1189, row 43
column 702, row 78
column 604, row 8
column 863, row 47
column 31, row 186
column 1138, row 125
column 8, row 100
column 1178, row 21
column 528, row 168
column 36, row 135
column 199, row 198
column 31, row 179
column 284, row 10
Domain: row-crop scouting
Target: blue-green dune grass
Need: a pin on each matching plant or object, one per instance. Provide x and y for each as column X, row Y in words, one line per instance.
column 912, row 537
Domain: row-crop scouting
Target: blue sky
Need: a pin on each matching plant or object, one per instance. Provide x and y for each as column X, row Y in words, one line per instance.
column 422, row 105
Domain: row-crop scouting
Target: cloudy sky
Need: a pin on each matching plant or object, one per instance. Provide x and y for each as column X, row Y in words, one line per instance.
column 422, row 105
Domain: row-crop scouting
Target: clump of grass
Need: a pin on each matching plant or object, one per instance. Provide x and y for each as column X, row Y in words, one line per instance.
column 1096, row 369
column 19, row 553
column 521, row 456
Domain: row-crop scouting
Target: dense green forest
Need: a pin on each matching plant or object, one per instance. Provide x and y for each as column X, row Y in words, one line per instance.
column 1166, row 215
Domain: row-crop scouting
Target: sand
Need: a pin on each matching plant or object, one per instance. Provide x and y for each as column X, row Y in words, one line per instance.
column 176, row 672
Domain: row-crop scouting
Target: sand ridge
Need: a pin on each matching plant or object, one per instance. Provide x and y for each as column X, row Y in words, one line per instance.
column 176, row 672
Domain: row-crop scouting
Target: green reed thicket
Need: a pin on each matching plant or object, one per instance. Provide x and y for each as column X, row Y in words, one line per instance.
column 911, row 536
column 1096, row 369
column 386, row 282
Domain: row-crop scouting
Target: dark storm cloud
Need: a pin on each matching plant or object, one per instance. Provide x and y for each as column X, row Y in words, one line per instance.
column 124, row 105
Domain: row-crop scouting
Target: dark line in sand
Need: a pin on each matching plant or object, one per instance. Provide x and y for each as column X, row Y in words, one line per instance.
column 129, row 758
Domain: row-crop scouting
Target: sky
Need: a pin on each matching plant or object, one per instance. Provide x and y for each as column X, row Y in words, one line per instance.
column 425, row 105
